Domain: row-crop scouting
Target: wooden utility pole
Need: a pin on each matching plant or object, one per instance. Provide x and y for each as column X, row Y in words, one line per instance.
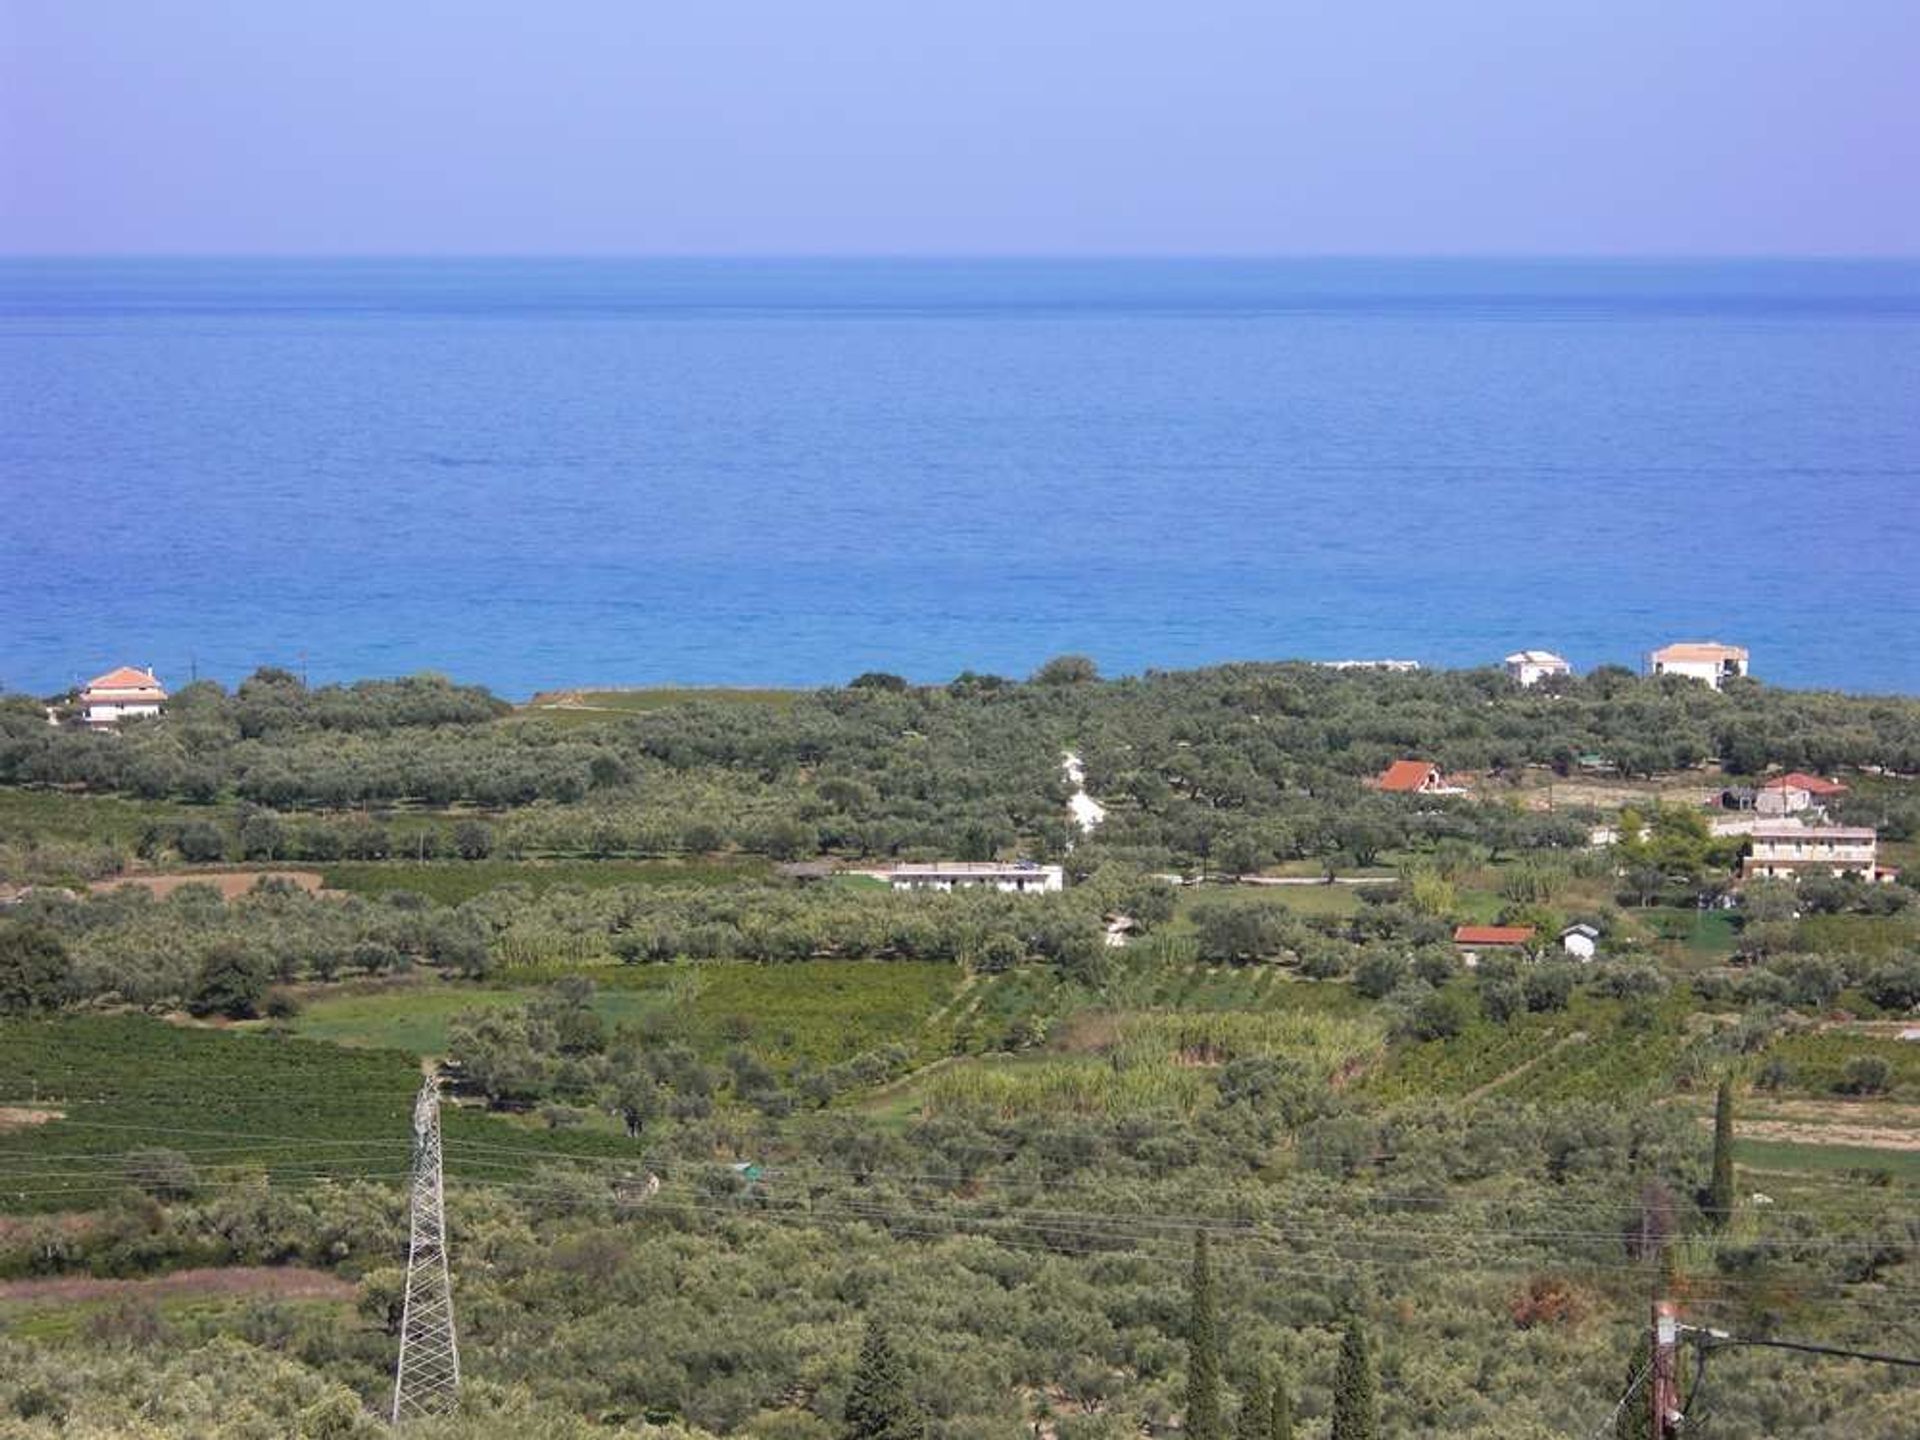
column 1663, row 1384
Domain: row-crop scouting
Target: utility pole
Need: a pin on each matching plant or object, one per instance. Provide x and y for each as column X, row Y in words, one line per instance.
column 1663, row 1385
column 427, row 1379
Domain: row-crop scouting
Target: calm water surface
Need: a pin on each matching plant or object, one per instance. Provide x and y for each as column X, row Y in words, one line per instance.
column 542, row 473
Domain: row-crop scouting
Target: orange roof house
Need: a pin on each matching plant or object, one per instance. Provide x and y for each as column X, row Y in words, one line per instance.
column 1411, row 777
column 1799, row 780
column 1493, row 937
column 121, row 694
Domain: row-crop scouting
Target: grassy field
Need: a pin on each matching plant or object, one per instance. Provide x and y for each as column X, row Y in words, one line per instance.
column 233, row 1102
column 414, row 1018
column 1850, row 1160
column 591, row 707
column 1816, row 1063
column 69, row 815
column 451, row 881
column 819, row 1012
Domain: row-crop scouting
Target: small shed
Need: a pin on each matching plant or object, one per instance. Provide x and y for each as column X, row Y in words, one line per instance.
column 1580, row 941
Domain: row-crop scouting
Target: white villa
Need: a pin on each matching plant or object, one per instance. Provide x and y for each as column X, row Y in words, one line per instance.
column 121, row 695
column 1021, row 878
column 1786, row 850
column 1530, row 667
column 1706, row 660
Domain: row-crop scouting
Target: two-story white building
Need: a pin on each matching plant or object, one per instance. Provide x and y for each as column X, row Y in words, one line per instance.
column 122, row 694
column 1783, row 850
column 1530, row 667
column 1021, row 878
column 1705, row 660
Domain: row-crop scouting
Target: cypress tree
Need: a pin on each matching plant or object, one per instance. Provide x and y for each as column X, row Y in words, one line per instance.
column 1720, row 1189
column 1280, row 1412
column 1256, row 1414
column 1203, row 1352
column 879, row 1406
column 1353, row 1397
column 1636, row 1416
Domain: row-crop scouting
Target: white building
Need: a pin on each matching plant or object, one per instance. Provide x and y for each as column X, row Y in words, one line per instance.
column 120, row 695
column 1706, row 660
column 1530, row 667
column 1785, row 850
column 1022, row 878
column 1580, row 941
column 1795, row 791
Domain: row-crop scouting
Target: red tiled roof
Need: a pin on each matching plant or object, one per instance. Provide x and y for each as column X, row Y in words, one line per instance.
column 1406, row 775
column 1800, row 780
column 125, row 678
column 1492, row 934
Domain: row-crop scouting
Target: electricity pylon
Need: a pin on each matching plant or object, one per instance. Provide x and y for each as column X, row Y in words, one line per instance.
column 427, row 1379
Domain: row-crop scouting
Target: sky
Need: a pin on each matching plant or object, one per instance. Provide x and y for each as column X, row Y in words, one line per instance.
column 1291, row 127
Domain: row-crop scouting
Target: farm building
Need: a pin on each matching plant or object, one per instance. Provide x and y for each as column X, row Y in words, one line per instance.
column 1471, row 940
column 121, row 694
column 1580, row 941
column 1021, row 878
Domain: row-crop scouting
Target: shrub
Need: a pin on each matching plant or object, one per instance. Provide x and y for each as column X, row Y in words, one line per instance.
column 231, row 982
column 161, row 1173
column 1865, row 1075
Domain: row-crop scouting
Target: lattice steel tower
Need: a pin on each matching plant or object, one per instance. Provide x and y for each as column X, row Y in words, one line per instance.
column 427, row 1379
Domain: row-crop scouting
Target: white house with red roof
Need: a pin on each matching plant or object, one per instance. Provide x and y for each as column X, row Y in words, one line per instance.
column 1793, row 792
column 122, row 694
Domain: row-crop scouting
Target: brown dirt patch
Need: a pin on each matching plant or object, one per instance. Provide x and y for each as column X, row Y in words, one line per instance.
column 1874, row 1125
column 19, row 1117
column 230, row 883
column 289, row 1282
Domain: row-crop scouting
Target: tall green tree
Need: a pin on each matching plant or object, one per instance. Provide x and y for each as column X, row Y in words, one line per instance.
column 1203, row 1351
column 1256, row 1414
column 1354, row 1403
column 879, row 1406
column 1280, row 1411
column 1720, row 1187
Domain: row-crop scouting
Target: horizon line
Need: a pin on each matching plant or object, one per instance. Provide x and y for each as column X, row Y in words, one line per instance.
column 1647, row 257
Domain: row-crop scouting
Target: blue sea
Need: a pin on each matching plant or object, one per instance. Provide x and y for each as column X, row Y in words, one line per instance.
column 544, row 473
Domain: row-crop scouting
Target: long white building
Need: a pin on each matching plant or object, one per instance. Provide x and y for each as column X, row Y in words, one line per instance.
column 1022, row 878
column 1784, row 850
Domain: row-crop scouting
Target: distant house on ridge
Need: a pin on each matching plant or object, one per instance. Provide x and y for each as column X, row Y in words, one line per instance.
column 120, row 695
column 1704, row 660
column 1411, row 777
column 1530, row 667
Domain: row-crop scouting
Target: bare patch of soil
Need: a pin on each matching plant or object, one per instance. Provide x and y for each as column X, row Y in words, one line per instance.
column 290, row 1282
column 230, row 883
column 19, row 1117
column 1876, row 1125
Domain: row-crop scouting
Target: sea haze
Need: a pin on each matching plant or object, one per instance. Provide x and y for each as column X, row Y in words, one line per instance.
column 542, row 473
